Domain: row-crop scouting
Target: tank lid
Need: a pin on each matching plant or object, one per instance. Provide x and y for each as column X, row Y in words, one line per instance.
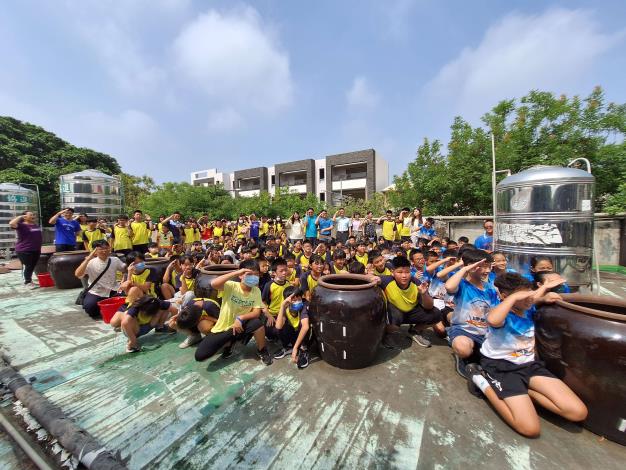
column 542, row 173
column 15, row 188
column 89, row 174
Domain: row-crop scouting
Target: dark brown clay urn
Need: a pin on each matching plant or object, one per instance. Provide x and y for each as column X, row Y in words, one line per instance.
column 61, row 267
column 348, row 316
column 44, row 257
column 159, row 265
column 583, row 342
column 206, row 275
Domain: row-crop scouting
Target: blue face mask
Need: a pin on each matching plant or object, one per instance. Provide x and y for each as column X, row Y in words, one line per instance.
column 140, row 266
column 251, row 280
column 297, row 306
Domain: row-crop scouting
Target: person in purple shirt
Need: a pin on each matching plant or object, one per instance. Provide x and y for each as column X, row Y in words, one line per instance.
column 485, row 241
column 65, row 229
column 28, row 246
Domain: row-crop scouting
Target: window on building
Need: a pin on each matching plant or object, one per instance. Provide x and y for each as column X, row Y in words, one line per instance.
column 322, row 196
column 322, row 173
column 273, row 180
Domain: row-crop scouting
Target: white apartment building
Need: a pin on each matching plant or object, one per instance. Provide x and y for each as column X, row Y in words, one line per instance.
column 357, row 174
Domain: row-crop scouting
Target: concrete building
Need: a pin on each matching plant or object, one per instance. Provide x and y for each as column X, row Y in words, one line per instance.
column 354, row 174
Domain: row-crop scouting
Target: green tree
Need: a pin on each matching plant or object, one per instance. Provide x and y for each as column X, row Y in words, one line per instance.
column 135, row 187
column 616, row 202
column 30, row 154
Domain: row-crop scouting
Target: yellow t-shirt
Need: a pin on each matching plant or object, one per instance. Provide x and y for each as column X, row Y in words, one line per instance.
column 190, row 282
column 264, row 228
column 361, row 259
column 79, row 235
column 303, row 261
column 92, row 235
column 218, row 231
column 385, row 272
column 121, row 240
column 388, row 230
column 189, row 234
column 236, row 302
column 406, row 227
column 141, row 233
column 404, row 300
column 275, row 297
column 166, row 240
column 142, row 278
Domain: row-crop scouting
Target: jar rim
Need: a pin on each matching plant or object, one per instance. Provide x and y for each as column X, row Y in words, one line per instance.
column 330, row 282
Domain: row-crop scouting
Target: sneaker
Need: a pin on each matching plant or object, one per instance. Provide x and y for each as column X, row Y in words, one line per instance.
column 133, row 349
column 471, row 370
column 227, row 351
column 282, row 352
column 31, row 286
column 265, row 356
column 419, row 339
column 164, row 330
column 460, row 365
column 190, row 341
column 303, row 359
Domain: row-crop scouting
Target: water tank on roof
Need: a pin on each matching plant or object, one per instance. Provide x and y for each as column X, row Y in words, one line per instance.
column 547, row 211
column 92, row 192
column 15, row 199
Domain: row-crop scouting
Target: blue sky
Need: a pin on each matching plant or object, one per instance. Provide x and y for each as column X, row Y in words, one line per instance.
column 168, row 87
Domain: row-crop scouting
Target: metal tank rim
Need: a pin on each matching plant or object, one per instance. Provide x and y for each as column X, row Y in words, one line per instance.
column 545, row 174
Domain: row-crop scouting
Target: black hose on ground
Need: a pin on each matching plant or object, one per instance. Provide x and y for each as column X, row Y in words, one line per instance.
column 73, row 438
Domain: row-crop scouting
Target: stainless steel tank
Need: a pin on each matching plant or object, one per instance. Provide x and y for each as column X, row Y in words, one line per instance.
column 548, row 211
column 14, row 199
column 93, row 192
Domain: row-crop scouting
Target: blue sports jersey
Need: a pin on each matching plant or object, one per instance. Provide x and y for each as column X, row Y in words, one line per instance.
column 514, row 341
column 65, row 231
column 254, row 229
column 484, row 242
column 492, row 275
column 425, row 232
column 472, row 305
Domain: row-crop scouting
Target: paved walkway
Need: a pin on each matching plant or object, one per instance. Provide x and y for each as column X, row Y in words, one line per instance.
column 161, row 409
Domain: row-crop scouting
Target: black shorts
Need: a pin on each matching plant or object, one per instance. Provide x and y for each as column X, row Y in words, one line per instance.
column 509, row 379
column 213, row 342
column 418, row 316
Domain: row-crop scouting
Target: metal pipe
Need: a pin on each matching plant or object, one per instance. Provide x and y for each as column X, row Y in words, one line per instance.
column 584, row 160
column 30, row 452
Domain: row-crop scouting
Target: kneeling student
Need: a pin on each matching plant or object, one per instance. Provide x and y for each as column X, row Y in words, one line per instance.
column 196, row 318
column 292, row 324
column 239, row 313
column 514, row 378
column 138, row 317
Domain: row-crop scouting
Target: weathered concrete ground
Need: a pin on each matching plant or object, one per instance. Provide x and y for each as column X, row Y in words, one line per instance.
column 161, row 409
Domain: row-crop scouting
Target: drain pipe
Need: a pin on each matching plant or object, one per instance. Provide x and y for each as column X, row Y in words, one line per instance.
column 31, row 453
column 73, row 438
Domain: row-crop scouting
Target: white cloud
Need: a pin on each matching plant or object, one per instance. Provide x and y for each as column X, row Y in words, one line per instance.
column 360, row 95
column 235, row 60
column 520, row 52
column 396, row 14
column 224, row 120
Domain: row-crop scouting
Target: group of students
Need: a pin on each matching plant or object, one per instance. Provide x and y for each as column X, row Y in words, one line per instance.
column 463, row 291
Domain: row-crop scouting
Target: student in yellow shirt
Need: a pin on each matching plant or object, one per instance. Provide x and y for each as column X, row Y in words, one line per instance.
column 389, row 228
column 165, row 240
column 80, row 241
column 239, row 313
column 361, row 253
column 142, row 229
column 91, row 234
column 139, row 275
column 121, row 236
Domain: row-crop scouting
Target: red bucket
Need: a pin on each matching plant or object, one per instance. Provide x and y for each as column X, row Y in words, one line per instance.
column 45, row 280
column 108, row 307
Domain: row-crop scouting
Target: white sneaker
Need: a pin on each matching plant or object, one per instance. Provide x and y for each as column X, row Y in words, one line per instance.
column 190, row 341
column 32, row 286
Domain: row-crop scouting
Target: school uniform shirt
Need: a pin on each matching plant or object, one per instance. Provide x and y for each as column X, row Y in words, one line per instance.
column 484, row 242
column 189, row 234
column 79, row 235
column 296, row 272
column 236, row 302
column 493, row 275
column 152, row 255
column 307, row 282
column 190, row 282
column 166, row 240
column 384, row 272
column 147, row 275
column 65, row 231
column 295, row 318
column 335, row 270
column 398, row 230
column 264, row 229
column 273, row 296
column 472, row 305
column 405, row 299
column 303, row 260
column 363, row 259
column 91, row 236
column 389, row 230
column 140, row 316
column 141, row 233
column 210, row 308
column 218, row 231
column 121, row 238
column 405, row 231
column 514, row 341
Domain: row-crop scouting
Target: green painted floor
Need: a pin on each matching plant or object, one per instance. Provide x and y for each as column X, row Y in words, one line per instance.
column 161, row 409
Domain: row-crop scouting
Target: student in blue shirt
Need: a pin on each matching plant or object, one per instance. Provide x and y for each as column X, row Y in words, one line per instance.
column 253, row 228
column 513, row 377
column 427, row 230
column 474, row 296
column 310, row 226
column 65, row 229
column 485, row 241
column 499, row 265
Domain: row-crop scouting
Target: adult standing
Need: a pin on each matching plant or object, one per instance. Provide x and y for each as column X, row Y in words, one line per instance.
column 342, row 225
column 65, row 229
column 356, row 227
column 28, row 246
column 417, row 220
column 99, row 263
column 325, row 225
column 310, row 227
column 295, row 228
column 142, row 230
column 485, row 241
